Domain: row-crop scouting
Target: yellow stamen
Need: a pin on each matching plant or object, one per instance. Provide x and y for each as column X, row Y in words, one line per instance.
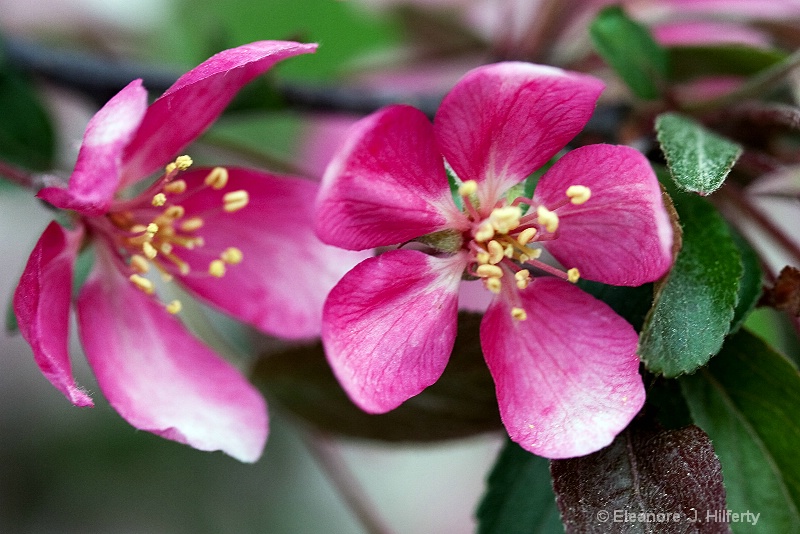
column 485, row 232
column 493, row 284
column 482, row 257
column 578, row 194
column 573, row 275
column 509, row 251
column 139, row 264
column 232, row 256
column 489, row 271
column 149, row 250
column 547, row 218
column 176, row 187
column 166, row 248
column 217, row 178
column 470, row 187
column 216, row 268
column 523, row 278
column 235, row 200
column 495, row 252
column 174, row 212
column 170, row 168
column 192, row 224
column 505, row 219
column 159, row 199
column 526, row 235
column 152, row 229
column 142, row 283
column 183, row 162
column 518, row 314
column 174, row 307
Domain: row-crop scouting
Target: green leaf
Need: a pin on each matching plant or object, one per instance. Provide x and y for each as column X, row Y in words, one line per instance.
column 631, row 51
column 748, row 401
column 461, row 403
column 647, row 480
column 751, row 284
column 693, row 308
column 519, row 496
column 687, row 62
column 26, row 135
column 698, row 159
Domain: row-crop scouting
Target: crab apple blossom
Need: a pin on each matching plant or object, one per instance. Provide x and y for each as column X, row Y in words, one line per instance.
column 221, row 233
column 564, row 364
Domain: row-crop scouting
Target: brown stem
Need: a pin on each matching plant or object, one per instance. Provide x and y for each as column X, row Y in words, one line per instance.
column 334, row 466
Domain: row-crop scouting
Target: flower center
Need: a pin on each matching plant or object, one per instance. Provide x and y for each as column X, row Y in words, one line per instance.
column 153, row 231
column 506, row 244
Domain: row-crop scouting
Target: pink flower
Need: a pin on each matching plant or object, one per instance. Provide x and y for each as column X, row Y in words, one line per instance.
column 224, row 234
column 564, row 364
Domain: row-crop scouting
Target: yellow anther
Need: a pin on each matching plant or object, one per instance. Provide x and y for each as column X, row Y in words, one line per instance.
column 170, row 168
column 174, row 212
column 482, row 257
column 532, row 253
column 509, row 251
column 149, row 250
column 183, row 162
column 523, row 278
column 231, row 256
column 493, row 284
column 489, row 271
column 139, row 264
column 166, row 248
column 216, row 268
column 235, row 200
column 518, row 314
column 526, row 236
column 573, row 275
column 174, row 307
column 142, row 283
column 159, row 199
column 192, row 224
column 505, row 219
column 470, row 187
column 217, row 178
column 495, row 252
column 547, row 218
column 176, row 187
column 485, row 232
column 138, row 229
column 152, row 229
column 578, row 194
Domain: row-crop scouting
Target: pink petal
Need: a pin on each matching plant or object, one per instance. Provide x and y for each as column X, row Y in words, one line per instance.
column 757, row 9
column 187, row 108
column 97, row 172
column 387, row 185
column 160, row 378
column 503, row 121
column 41, row 304
column 622, row 234
column 567, row 377
column 286, row 272
column 708, row 33
column 390, row 324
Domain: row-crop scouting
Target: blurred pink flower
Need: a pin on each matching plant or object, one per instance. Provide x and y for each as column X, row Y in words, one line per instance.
column 223, row 234
column 564, row 363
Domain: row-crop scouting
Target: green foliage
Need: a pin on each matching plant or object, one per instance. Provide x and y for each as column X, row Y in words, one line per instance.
column 343, row 31
column 26, row 134
column 687, row 62
column 631, row 51
column 519, row 496
column 461, row 403
column 747, row 400
column 698, row 159
column 694, row 306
